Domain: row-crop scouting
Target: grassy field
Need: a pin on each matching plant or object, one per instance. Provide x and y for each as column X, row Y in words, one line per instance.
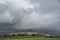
column 29, row 38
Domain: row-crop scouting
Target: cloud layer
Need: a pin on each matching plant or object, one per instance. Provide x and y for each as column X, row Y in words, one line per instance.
column 25, row 14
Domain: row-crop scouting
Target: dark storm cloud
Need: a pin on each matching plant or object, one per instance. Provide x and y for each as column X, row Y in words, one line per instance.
column 6, row 27
column 24, row 14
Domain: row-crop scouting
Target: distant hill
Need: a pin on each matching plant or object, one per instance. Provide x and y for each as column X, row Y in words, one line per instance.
column 41, row 30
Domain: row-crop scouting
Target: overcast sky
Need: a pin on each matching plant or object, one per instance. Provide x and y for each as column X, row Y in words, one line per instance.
column 25, row 14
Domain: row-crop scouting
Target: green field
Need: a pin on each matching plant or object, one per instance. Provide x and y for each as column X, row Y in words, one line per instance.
column 29, row 38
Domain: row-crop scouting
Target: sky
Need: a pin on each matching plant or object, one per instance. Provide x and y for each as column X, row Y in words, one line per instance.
column 25, row 14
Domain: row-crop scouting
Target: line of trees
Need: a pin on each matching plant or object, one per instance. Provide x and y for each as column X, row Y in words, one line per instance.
column 18, row 34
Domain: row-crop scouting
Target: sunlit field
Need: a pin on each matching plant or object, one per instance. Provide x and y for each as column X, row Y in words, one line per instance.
column 29, row 38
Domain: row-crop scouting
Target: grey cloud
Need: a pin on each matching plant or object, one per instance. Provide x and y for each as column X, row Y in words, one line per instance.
column 3, row 7
column 30, row 14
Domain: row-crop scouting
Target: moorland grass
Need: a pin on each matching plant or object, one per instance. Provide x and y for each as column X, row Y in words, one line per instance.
column 29, row 38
